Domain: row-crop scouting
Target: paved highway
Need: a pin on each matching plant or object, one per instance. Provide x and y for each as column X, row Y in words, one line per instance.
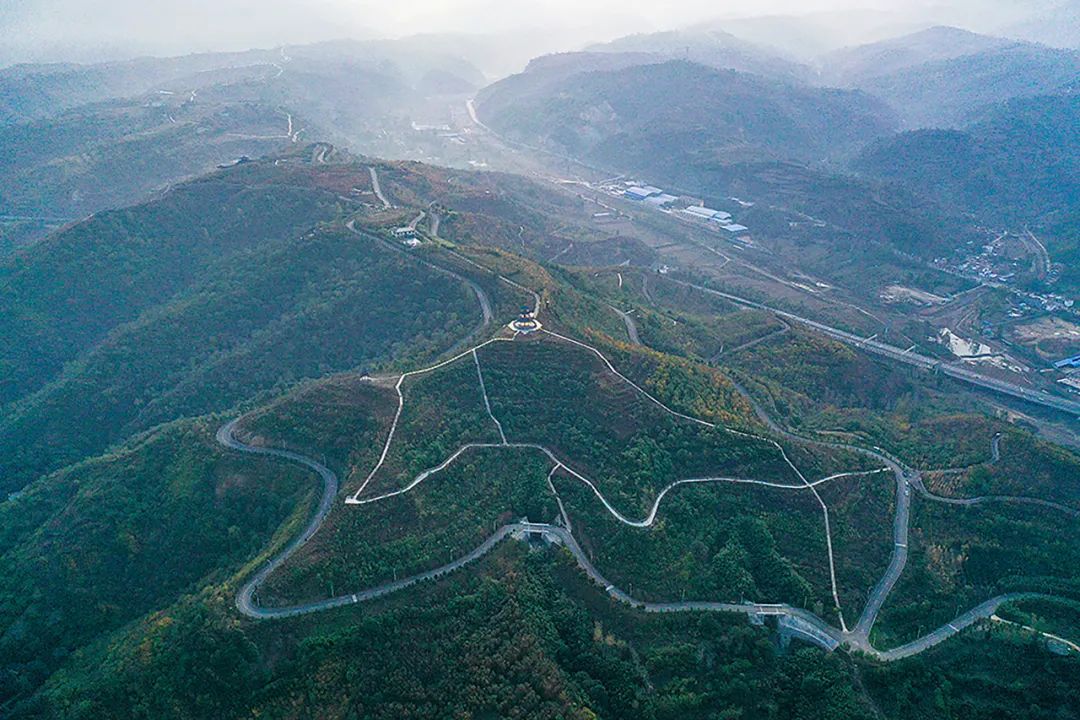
column 956, row 371
column 892, row 352
column 377, row 188
column 631, row 326
column 807, row 625
column 245, row 598
column 946, row 631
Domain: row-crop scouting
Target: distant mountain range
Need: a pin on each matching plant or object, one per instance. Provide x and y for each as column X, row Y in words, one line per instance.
column 615, row 111
column 1058, row 26
column 806, row 36
column 84, row 138
column 712, row 48
column 942, row 76
column 851, row 66
column 30, row 92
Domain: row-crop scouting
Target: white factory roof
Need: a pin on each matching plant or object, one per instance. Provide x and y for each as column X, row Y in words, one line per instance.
column 639, row 192
column 701, row 211
column 722, row 216
column 734, row 228
column 662, row 199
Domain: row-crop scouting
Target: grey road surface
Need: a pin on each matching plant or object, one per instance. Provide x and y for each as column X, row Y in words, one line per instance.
column 631, row 326
column 956, row 371
column 794, row 620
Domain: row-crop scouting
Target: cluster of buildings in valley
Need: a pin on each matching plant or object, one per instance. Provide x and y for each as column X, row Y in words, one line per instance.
column 995, row 264
column 689, row 208
column 1029, row 303
column 986, row 266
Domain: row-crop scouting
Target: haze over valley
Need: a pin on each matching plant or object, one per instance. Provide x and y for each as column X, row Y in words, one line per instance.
column 548, row 360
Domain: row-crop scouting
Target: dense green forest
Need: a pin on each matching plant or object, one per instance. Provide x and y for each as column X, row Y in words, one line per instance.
column 127, row 530
column 523, row 635
column 308, row 304
column 80, row 284
column 443, row 519
column 95, row 546
column 1017, row 163
column 559, row 395
column 1026, row 466
column 963, row 555
column 338, row 420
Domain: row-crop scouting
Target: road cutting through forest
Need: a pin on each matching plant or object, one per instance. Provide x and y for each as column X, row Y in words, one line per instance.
column 796, row 621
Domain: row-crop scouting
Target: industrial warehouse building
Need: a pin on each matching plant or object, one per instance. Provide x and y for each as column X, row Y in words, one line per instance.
column 661, row 200
column 1073, row 362
column 702, row 212
column 642, row 192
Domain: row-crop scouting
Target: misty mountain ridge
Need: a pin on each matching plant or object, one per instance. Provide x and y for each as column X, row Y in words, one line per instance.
column 712, row 48
column 645, row 112
column 943, row 76
column 808, row 36
column 1057, row 26
column 30, row 92
column 87, row 138
column 849, row 66
column 1019, row 163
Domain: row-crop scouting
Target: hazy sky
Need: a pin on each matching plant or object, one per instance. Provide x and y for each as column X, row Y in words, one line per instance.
column 82, row 29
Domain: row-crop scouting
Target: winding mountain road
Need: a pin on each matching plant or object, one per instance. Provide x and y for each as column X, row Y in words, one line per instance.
column 794, row 620
column 798, row 621
column 226, row 436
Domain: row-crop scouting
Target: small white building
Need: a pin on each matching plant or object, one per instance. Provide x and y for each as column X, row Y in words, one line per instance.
column 404, row 232
column 735, row 228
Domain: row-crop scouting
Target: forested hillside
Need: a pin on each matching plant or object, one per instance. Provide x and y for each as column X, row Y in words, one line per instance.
column 626, row 117
column 222, row 289
column 495, row 429
column 125, row 551
column 1018, row 163
column 951, row 92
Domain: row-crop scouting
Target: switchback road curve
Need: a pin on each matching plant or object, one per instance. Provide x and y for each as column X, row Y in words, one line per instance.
column 794, row 620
